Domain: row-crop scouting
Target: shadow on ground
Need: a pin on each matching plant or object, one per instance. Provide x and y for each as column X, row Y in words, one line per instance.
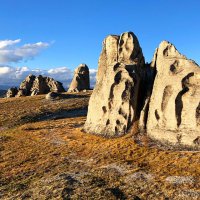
column 60, row 114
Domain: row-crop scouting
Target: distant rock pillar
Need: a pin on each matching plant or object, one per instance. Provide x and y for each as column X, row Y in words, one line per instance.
column 81, row 79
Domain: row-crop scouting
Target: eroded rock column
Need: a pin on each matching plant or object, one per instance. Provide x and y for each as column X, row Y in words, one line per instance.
column 81, row 79
column 114, row 101
column 174, row 106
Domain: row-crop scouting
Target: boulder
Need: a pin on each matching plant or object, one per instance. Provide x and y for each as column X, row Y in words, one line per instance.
column 113, row 105
column 174, row 109
column 51, row 96
column 81, row 79
column 11, row 92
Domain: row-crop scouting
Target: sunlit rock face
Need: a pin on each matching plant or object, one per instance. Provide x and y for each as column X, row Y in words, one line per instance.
column 33, row 85
column 43, row 85
column 114, row 101
column 26, row 85
column 81, row 79
column 174, row 109
column 164, row 95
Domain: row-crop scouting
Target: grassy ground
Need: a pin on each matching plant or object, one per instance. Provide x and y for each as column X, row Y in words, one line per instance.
column 44, row 154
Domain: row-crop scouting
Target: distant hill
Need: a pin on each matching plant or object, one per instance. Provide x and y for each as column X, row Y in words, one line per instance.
column 5, row 87
column 2, row 93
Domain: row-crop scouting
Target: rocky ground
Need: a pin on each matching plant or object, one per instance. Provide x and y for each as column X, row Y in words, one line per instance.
column 44, row 154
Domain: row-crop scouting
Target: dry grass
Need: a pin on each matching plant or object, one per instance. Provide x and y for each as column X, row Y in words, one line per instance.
column 44, row 154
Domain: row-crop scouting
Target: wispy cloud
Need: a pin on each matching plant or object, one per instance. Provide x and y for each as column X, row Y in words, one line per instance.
column 6, row 43
column 11, row 52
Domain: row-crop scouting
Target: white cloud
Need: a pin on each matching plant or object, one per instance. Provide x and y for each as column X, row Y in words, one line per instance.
column 5, row 70
column 10, row 52
column 59, row 70
column 6, row 43
column 93, row 73
column 63, row 74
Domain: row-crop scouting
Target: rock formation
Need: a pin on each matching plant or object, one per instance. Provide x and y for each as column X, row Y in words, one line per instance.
column 11, row 92
column 33, row 85
column 174, row 110
column 113, row 106
column 27, row 84
column 81, row 79
column 164, row 96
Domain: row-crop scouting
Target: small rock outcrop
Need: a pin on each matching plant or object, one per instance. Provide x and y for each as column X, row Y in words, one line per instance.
column 52, row 96
column 113, row 106
column 11, row 92
column 174, row 109
column 81, row 79
column 33, row 85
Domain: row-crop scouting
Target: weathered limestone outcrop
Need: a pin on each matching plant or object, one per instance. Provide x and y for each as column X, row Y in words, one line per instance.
column 11, row 92
column 81, row 79
column 40, row 85
column 54, row 86
column 174, row 110
column 26, row 85
column 113, row 106
column 33, row 85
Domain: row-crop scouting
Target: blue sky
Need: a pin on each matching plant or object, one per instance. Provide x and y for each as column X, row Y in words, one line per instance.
column 74, row 30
